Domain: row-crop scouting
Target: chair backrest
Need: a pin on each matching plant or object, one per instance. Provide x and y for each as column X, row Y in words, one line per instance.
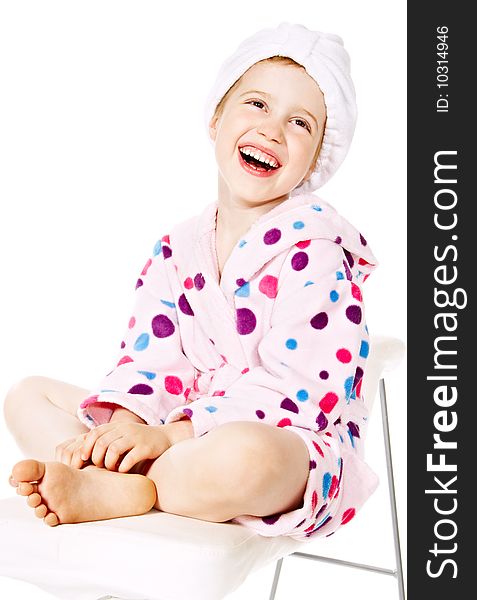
column 385, row 353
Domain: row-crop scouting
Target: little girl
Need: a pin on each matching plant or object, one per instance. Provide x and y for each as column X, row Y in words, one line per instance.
column 237, row 391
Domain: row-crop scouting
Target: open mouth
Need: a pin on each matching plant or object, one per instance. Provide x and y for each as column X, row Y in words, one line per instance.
column 258, row 160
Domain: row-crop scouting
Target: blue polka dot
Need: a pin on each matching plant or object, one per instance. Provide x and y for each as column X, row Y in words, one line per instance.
column 291, row 344
column 243, row 291
column 298, row 225
column 302, row 395
column 169, row 304
column 348, row 386
column 242, row 243
column 157, row 248
column 316, row 207
column 351, row 437
column 326, row 484
column 334, row 296
column 147, row 374
column 211, row 409
column 341, row 438
column 364, row 350
column 339, row 275
column 309, row 283
column 101, row 391
column 142, row 342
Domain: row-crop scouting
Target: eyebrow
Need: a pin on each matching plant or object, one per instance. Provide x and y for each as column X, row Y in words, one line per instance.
column 268, row 95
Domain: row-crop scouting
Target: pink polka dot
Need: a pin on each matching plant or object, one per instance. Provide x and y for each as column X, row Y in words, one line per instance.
column 132, row 322
column 343, row 355
column 333, row 486
column 124, row 360
column 173, row 384
column 303, row 244
column 188, row 283
column 314, row 501
column 146, row 267
column 328, row 402
column 165, row 238
column 356, row 292
column 284, row 423
column 268, row 286
column 348, row 515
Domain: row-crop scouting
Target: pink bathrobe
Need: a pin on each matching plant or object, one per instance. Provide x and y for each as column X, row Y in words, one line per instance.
column 281, row 340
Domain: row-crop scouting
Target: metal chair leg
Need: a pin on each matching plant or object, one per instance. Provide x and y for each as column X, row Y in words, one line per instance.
column 392, row 495
column 275, row 579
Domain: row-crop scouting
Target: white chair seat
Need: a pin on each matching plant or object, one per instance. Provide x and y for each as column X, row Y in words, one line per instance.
column 156, row 556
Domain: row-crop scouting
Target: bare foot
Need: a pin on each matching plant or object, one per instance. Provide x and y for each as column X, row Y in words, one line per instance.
column 63, row 494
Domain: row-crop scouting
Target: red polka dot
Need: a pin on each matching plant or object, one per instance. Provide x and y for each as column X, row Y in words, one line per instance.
column 320, row 451
column 333, row 486
column 173, row 384
column 343, row 355
column 284, row 423
column 188, row 283
column 124, row 359
column 356, row 292
column 358, row 388
column 348, row 515
column 314, row 501
column 303, row 244
column 166, row 239
column 132, row 322
column 268, row 285
column 146, row 267
column 328, row 402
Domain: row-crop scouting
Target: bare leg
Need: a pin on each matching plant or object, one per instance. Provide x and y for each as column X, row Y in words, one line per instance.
column 40, row 413
column 238, row 468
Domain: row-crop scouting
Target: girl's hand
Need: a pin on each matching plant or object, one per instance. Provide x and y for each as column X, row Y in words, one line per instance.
column 68, row 452
column 106, row 443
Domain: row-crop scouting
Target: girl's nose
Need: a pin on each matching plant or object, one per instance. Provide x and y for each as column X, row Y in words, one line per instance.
column 271, row 129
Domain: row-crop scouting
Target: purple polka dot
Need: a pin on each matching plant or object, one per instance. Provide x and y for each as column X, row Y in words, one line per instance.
column 199, row 281
column 353, row 313
column 299, row 261
column 357, row 376
column 272, row 236
column 349, row 258
column 246, row 321
column 141, row 388
column 312, row 465
column 322, row 421
column 300, row 524
column 166, row 251
column 188, row 412
column 123, row 344
column 185, row 306
column 362, row 240
column 271, row 519
column 324, row 374
column 322, row 510
column 260, row 414
column 338, row 240
column 288, row 404
column 139, row 283
column 319, row 321
column 240, row 282
column 349, row 277
column 353, row 428
column 162, row 326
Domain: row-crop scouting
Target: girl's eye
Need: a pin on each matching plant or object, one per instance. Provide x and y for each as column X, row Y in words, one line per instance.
column 303, row 124
column 257, row 103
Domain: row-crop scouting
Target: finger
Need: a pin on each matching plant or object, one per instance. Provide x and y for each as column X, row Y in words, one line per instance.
column 101, row 446
column 114, row 451
column 93, row 435
column 131, row 458
column 60, row 448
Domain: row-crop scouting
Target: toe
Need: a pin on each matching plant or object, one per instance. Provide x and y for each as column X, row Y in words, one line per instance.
column 25, row 489
column 34, row 500
column 12, row 482
column 41, row 511
column 51, row 519
column 28, row 470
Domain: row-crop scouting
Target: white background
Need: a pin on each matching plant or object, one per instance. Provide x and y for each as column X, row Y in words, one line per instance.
column 103, row 148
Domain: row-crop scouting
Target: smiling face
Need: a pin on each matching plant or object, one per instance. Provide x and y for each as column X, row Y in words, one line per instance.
column 268, row 132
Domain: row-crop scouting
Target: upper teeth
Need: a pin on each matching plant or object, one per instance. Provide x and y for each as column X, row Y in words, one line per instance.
column 257, row 155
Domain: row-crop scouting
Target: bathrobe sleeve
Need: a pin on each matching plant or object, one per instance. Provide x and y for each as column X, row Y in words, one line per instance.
column 312, row 356
column 152, row 372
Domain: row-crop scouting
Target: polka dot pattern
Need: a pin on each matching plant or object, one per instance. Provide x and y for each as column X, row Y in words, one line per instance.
column 246, row 321
column 162, row 326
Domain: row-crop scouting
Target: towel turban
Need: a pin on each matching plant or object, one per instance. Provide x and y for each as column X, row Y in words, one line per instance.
column 326, row 61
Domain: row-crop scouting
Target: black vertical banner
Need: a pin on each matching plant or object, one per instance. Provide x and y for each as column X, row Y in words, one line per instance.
column 442, row 254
